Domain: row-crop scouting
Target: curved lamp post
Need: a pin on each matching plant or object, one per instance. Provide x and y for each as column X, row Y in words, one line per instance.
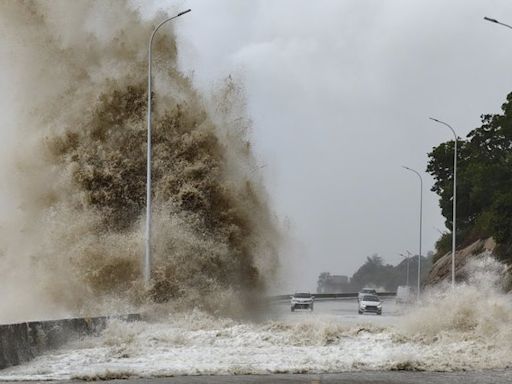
column 147, row 256
column 497, row 22
column 454, row 221
column 421, row 224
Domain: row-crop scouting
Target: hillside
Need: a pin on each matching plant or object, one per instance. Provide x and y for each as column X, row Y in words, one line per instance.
column 484, row 188
column 442, row 268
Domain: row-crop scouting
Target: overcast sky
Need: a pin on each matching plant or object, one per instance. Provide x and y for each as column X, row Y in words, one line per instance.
column 340, row 93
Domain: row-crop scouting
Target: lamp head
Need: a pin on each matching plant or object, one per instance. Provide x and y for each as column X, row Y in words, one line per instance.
column 182, row 13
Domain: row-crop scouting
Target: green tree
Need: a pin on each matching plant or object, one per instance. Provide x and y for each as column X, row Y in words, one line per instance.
column 374, row 272
column 484, row 179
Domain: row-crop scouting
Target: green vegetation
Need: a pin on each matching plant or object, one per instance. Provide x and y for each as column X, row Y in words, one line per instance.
column 484, row 183
column 374, row 273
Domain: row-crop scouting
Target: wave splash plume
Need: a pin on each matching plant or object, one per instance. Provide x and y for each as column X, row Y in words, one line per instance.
column 75, row 243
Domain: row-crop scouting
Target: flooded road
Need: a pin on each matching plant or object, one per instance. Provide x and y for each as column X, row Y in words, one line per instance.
column 333, row 338
column 340, row 310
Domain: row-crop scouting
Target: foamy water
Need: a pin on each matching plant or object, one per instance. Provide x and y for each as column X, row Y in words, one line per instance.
column 469, row 328
column 198, row 344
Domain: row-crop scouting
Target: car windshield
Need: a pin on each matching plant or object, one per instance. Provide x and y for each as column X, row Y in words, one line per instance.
column 368, row 290
column 370, row 298
column 303, row 295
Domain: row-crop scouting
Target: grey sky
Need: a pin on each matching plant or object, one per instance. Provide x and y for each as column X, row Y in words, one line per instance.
column 340, row 93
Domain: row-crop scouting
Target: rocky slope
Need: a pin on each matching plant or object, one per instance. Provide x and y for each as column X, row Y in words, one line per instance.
column 442, row 268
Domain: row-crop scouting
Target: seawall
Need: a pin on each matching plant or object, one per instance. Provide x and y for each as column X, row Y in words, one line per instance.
column 23, row 341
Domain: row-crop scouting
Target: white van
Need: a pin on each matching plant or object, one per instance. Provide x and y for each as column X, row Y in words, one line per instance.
column 403, row 294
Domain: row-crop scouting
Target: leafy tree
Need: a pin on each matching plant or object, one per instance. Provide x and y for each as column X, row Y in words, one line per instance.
column 373, row 272
column 484, row 179
column 385, row 276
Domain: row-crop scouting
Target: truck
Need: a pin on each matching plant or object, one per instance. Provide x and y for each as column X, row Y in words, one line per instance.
column 403, row 294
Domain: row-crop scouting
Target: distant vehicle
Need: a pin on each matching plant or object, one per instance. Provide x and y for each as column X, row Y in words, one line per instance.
column 371, row 304
column 366, row 291
column 302, row 300
column 403, row 294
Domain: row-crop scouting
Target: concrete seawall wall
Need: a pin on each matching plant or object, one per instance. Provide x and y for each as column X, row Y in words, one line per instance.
column 24, row 341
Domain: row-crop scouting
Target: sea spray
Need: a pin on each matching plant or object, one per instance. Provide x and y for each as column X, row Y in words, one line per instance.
column 75, row 243
column 468, row 328
column 469, row 306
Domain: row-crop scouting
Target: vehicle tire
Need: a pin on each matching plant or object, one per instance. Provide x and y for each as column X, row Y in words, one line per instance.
column 379, row 313
column 360, row 312
column 311, row 309
column 293, row 309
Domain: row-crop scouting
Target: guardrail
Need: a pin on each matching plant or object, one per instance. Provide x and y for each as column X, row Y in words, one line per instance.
column 332, row 296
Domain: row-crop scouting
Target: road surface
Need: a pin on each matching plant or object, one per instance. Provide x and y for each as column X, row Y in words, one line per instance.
column 483, row 377
column 340, row 310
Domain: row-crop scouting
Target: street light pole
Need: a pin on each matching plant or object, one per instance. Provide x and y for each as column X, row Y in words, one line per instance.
column 421, row 224
column 454, row 221
column 497, row 22
column 147, row 256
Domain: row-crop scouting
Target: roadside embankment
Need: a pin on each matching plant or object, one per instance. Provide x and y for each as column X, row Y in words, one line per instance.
column 442, row 268
column 23, row 341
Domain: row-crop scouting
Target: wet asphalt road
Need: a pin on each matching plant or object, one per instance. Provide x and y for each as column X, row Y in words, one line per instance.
column 479, row 377
column 341, row 310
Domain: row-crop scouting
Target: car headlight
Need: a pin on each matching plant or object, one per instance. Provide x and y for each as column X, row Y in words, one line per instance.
column 379, row 305
column 363, row 305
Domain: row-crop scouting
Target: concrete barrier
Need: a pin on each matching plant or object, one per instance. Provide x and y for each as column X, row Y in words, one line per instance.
column 23, row 341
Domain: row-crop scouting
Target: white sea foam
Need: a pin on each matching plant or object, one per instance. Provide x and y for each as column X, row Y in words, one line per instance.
column 468, row 328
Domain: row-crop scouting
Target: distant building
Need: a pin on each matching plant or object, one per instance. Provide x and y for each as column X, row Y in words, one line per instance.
column 328, row 283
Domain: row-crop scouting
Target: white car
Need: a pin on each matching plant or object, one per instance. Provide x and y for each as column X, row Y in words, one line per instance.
column 366, row 291
column 302, row 301
column 370, row 304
